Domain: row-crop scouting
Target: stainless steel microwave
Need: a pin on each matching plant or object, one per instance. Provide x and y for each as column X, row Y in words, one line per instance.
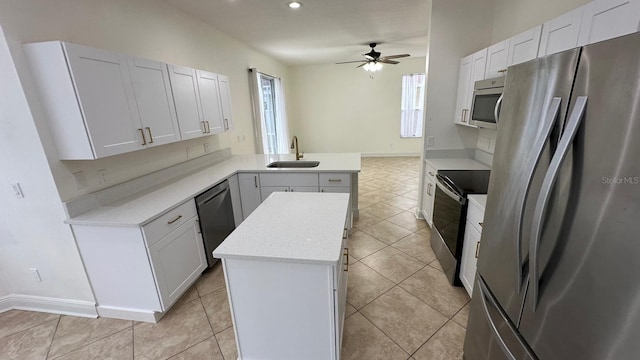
column 487, row 99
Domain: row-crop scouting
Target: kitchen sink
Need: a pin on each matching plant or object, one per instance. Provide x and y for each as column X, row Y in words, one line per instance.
column 293, row 164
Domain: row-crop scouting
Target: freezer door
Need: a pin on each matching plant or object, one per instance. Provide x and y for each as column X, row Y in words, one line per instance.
column 586, row 303
column 535, row 100
column 495, row 337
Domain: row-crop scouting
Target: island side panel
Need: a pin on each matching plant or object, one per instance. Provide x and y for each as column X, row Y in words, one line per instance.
column 355, row 211
column 282, row 310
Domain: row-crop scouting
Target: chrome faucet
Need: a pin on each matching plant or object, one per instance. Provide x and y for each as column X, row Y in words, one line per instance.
column 294, row 145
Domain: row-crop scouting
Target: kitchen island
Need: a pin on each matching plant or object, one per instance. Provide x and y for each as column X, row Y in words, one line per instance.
column 286, row 272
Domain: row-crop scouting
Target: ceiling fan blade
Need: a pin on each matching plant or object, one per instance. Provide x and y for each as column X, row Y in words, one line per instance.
column 395, row 56
column 368, row 57
column 361, row 65
column 385, row 61
column 349, row 62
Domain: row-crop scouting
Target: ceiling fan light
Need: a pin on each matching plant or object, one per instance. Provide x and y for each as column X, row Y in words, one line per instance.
column 294, row 4
column 378, row 66
column 367, row 66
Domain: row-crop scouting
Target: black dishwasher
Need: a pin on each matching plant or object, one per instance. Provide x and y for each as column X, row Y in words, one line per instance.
column 216, row 217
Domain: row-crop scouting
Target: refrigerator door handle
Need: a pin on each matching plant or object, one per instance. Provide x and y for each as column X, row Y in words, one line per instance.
column 484, row 295
column 496, row 110
column 531, row 165
column 545, row 192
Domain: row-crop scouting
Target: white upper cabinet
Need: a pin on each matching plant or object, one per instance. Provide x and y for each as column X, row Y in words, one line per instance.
column 210, row 101
column 524, row 46
column 88, row 97
column 472, row 69
column 606, row 19
column 184, row 84
column 155, row 101
column 561, row 33
column 464, row 78
column 225, row 99
column 497, row 56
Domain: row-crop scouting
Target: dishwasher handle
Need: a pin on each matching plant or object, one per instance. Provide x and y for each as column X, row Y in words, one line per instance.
column 212, row 193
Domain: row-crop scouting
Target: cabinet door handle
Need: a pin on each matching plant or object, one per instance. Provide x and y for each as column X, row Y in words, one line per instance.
column 477, row 248
column 321, row 190
column 335, row 180
column 345, row 233
column 204, row 127
column 255, row 180
column 290, row 190
column 144, row 140
column 150, row 136
column 174, row 220
column 346, row 254
column 432, row 174
column 429, row 189
column 464, row 115
column 502, row 71
column 480, row 224
column 198, row 227
column 226, row 124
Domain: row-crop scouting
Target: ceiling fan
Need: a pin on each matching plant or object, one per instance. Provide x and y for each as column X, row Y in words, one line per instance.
column 373, row 61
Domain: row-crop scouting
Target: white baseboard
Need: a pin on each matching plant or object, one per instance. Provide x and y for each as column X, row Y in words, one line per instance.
column 420, row 214
column 5, row 303
column 129, row 314
column 390, row 154
column 49, row 305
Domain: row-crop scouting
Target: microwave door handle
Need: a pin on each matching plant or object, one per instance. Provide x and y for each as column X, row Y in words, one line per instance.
column 545, row 193
column 496, row 110
column 530, row 167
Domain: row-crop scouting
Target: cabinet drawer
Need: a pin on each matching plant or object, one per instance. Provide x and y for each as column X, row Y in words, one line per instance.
column 475, row 216
column 289, row 179
column 430, row 173
column 168, row 222
column 335, row 179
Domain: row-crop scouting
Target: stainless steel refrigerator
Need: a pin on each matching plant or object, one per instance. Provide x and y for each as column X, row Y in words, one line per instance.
column 559, row 267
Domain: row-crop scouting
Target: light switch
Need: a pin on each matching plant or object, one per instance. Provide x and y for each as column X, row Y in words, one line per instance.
column 431, row 141
column 17, row 190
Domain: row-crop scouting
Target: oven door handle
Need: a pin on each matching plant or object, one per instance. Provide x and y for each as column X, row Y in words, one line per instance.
column 496, row 110
column 448, row 191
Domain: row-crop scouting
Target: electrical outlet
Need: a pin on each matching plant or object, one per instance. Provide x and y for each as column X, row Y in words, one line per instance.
column 206, row 148
column 102, row 176
column 431, row 141
column 188, row 153
column 35, row 274
column 79, row 180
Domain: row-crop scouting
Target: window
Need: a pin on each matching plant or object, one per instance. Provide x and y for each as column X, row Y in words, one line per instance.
column 412, row 105
column 270, row 117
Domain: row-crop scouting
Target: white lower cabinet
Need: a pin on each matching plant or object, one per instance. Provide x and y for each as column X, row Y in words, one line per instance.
column 137, row 273
column 296, row 182
column 288, row 310
column 429, row 191
column 471, row 245
column 249, row 192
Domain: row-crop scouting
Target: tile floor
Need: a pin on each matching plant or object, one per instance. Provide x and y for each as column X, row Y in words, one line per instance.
column 400, row 304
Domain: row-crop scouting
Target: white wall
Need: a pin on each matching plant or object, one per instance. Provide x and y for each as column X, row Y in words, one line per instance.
column 149, row 29
column 32, row 233
column 337, row 108
column 458, row 28
column 515, row 16
column 31, row 230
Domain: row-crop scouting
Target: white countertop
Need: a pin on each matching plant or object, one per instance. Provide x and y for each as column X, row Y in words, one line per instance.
column 145, row 206
column 479, row 200
column 291, row 227
column 456, row 164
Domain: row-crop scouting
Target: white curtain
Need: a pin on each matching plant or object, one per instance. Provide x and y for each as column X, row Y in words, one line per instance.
column 281, row 116
column 412, row 105
column 277, row 115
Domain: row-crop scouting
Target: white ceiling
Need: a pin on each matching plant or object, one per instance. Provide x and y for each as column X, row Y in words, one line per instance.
column 322, row 31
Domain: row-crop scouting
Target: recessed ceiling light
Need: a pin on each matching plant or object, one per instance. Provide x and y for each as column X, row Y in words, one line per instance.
column 294, row 4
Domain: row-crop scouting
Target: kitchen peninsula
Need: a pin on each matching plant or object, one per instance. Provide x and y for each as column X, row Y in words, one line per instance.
column 140, row 241
column 286, row 273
